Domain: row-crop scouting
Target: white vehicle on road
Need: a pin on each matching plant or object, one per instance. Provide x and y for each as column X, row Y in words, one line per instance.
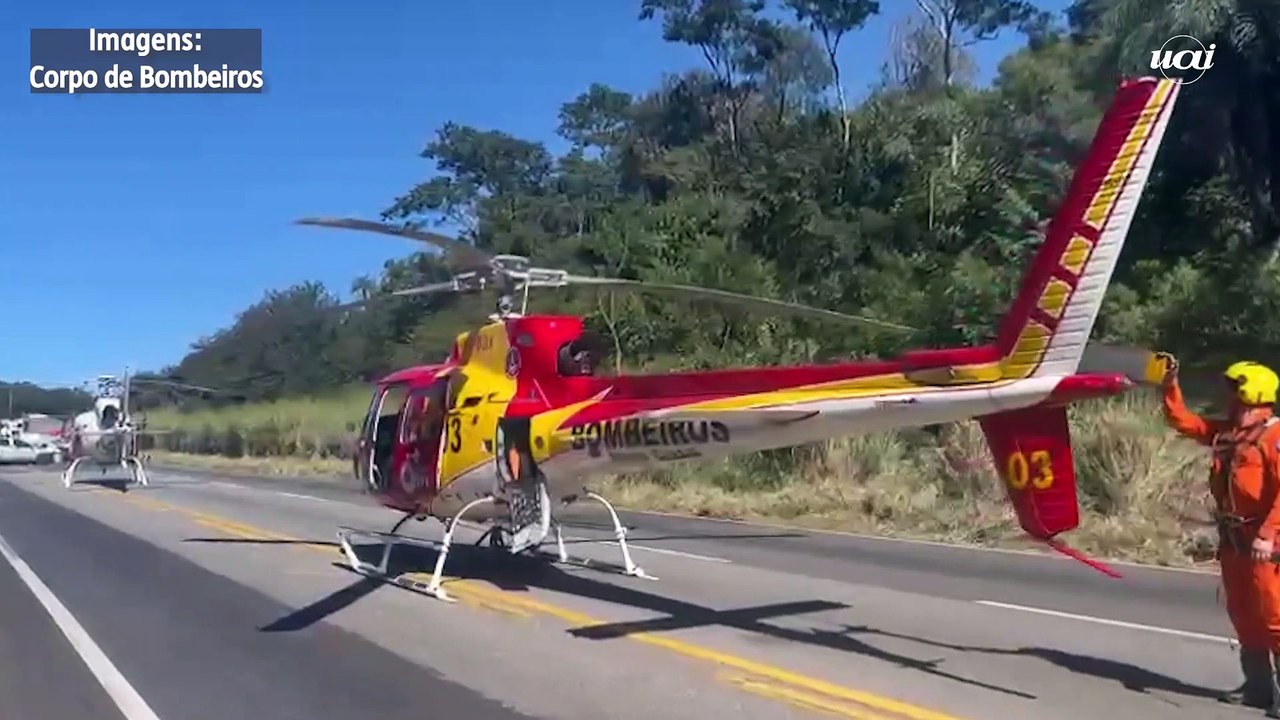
column 19, row 451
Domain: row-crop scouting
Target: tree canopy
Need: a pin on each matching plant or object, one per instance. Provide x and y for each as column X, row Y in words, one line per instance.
column 18, row 399
column 754, row 173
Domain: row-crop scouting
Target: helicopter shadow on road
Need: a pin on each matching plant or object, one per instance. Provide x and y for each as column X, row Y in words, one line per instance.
column 315, row 612
column 524, row 573
column 120, row 485
column 1129, row 676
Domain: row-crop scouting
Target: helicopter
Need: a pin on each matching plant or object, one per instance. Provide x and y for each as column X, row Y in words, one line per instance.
column 519, row 416
column 107, row 435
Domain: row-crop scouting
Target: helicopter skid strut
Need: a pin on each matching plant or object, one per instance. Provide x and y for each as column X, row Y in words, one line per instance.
column 130, row 464
column 629, row 566
column 494, row 535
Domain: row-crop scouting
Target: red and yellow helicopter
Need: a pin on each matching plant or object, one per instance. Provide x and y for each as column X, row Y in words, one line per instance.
column 518, row 417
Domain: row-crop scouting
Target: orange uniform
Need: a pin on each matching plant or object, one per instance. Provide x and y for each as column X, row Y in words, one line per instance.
column 1244, row 481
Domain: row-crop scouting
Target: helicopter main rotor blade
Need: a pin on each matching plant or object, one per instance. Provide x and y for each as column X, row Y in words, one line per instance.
column 732, row 298
column 451, row 286
column 171, row 384
column 464, row 254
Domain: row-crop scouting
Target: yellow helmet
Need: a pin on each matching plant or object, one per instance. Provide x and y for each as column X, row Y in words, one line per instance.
column 1255, row 384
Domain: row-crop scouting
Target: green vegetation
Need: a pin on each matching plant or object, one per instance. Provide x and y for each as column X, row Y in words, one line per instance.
column 920, row 203
column 18, row 399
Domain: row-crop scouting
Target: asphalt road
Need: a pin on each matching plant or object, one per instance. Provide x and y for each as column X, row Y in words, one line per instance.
column 217, row 597
column 40, row 674
column 1164, row 597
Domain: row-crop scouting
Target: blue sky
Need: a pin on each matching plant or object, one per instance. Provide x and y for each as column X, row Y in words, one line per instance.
column 132, row 225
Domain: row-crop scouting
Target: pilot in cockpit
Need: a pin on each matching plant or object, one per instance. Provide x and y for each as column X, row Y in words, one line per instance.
column 576, row 359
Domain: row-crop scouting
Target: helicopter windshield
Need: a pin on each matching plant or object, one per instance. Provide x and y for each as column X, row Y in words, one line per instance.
column 384, row 418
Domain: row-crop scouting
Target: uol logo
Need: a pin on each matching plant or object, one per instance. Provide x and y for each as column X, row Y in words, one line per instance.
column 1183, row 52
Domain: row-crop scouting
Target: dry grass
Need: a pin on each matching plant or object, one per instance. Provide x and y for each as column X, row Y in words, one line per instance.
column 1142, row 488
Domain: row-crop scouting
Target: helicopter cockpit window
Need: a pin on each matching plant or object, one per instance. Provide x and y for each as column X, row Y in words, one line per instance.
column 581, row 357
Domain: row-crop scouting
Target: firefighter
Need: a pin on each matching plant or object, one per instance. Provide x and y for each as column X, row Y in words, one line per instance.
column 1244, row 478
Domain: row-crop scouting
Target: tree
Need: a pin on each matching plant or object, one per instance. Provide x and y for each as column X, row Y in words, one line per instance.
column 736, row 43
column 1234, row 109
column 962, row 23
column 831, row 20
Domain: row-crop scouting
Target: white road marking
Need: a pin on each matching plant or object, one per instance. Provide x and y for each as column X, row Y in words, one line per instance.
column 663, row 551
column 233, row 486
column 299, row 495
column 633, row 546
column 1105, row 621
column 131, row 704
column 1045, row 554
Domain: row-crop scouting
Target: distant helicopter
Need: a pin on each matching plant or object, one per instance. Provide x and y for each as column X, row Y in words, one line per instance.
column 107, row 435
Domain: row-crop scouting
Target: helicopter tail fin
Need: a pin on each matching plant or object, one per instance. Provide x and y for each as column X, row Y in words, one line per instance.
column 1032, row 451
column 1046, row 332
column 1047, row 328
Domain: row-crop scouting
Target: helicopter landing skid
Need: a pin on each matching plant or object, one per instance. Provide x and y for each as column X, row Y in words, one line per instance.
column 389, row 540
column 131, row 464
column 494, row 536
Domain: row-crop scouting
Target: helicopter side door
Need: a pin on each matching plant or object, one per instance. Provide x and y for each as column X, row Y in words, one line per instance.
column 469, row 429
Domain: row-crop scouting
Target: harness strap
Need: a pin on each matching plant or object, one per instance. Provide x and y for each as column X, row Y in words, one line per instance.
column 1224, row 447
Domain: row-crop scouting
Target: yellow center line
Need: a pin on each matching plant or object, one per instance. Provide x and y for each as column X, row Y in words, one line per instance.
column 513, row 603
column 420, row 581
column 801, row 699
